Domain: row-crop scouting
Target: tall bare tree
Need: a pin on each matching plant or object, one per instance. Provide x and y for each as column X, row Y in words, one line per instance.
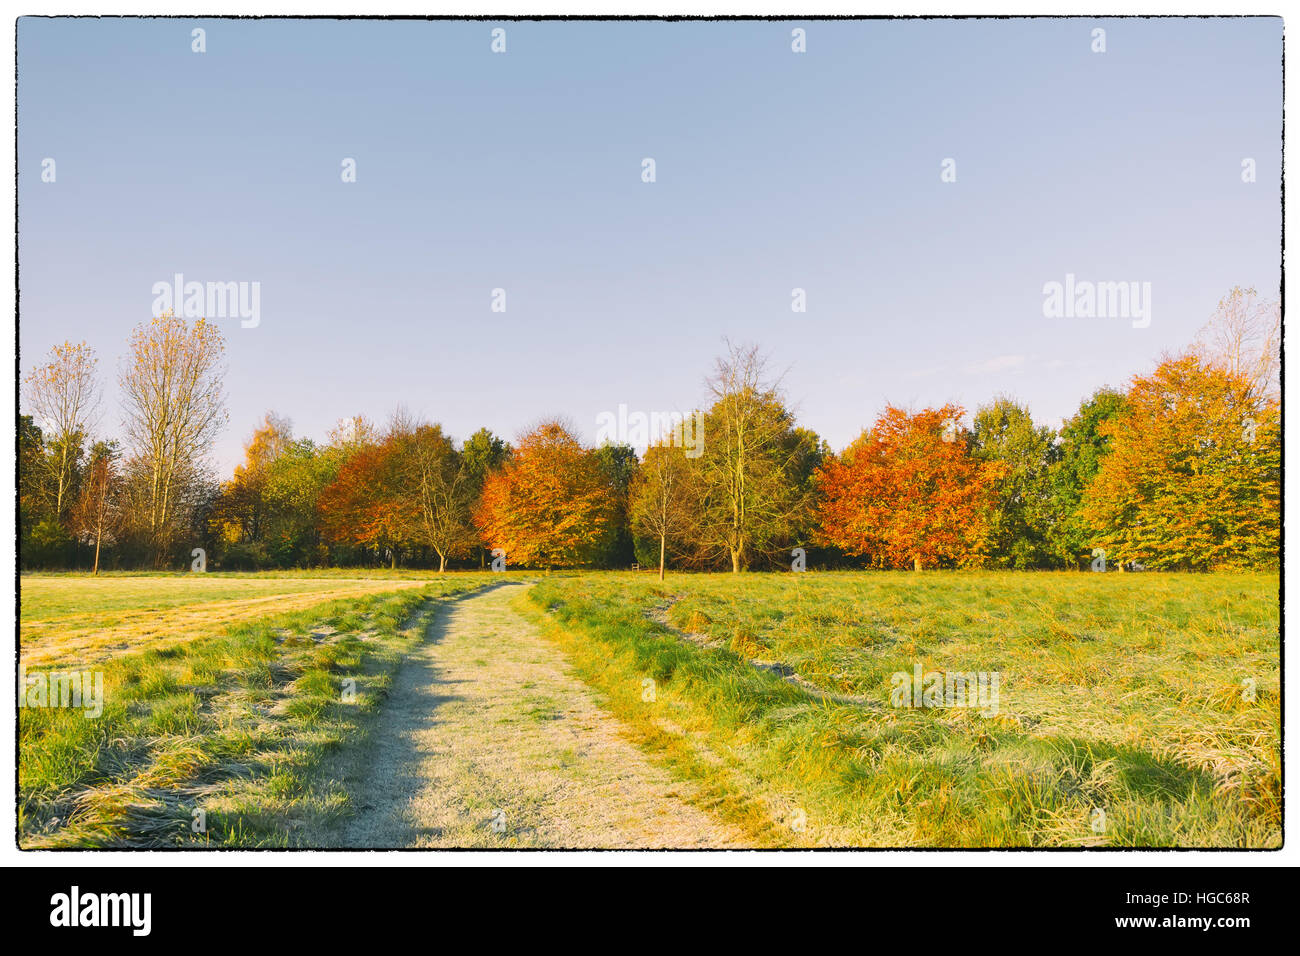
column 1244, row 336
column 174, row 401
column 63, row 396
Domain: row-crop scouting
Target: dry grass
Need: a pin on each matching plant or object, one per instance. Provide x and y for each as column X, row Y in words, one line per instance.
column 76, row 620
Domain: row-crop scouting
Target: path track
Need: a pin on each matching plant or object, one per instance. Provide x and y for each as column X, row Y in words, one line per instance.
column 488, row 740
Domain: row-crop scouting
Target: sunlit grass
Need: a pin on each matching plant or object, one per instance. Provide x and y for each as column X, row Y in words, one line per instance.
column 1134, row 710
column 219, row 740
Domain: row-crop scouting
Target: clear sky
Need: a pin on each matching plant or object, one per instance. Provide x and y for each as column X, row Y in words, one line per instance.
column 522, row 171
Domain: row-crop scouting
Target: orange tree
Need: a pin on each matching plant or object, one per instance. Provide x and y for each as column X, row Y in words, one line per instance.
column 550, row 504
column 908, row 492
column 1193, row 480
column 364, row 505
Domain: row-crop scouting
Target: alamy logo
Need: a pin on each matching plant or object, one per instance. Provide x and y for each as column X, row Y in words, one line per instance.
column 210, row 300
column 638, row 429
column 102, row 909
column 1098, row 300
column 977, row 690
column 83, row 690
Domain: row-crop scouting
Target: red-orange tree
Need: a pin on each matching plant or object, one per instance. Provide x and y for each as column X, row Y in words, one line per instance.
column 1193, row 479
column 364, row 505
column 549, row 505
column 908, row 492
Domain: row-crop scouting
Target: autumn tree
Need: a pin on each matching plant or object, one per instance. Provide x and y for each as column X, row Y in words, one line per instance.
column 363, row 506
column 908, row 492
column 174, row 403
column 63, row 397
column 1193, row 477
column 752, row 500
column 550, row 504
column 434, row 479
column 483, row 453
column 663, row 499
column 242, row 509
column 96, row 516
column 1005, row 432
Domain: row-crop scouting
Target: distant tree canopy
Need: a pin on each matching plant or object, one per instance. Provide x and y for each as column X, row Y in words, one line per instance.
column 1180, row 470
column 908, row 493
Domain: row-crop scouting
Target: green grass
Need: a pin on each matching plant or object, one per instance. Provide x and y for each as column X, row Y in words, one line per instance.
column 238, row 724
column 1118, row 693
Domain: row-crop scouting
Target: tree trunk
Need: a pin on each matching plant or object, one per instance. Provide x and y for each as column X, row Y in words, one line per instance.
column 96, row 568
column 442, row 562
column 393, row 565
column 916, row 562
column 661, row 557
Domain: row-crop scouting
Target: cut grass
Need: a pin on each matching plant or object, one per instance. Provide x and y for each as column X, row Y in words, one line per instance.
column 1123, row 720
column 76, row 619
column 222, row 740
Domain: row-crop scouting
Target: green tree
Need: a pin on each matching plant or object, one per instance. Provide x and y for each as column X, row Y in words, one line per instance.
column 1081, row 447
column 618, row 463
column 1005, row 432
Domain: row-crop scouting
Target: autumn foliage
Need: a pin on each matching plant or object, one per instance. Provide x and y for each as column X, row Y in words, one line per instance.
column 1181, row 470
column 550, row 505
column 362, row 507
column 908, row 493
column 1192, row 480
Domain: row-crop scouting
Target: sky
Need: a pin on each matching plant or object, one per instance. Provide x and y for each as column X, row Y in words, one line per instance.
column 523, row 171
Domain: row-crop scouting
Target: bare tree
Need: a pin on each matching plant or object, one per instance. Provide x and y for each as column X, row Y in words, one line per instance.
column 172, row 392
column 63, row 395
column 1245, row 336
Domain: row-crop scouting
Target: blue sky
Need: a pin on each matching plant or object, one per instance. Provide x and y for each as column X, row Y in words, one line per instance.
column 522, row 171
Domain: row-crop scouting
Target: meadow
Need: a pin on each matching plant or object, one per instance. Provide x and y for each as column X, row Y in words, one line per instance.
column 1135, row 710
column 221, row 734
column 1132, row 710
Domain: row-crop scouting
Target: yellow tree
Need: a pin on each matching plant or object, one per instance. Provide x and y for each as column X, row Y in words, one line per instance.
column 663, row 497
column 241, row 508
column 63, row 397
column 751, row 497
column 173, row 396
column 1193, row 479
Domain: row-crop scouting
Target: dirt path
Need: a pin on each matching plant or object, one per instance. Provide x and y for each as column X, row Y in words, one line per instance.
column 488, row 741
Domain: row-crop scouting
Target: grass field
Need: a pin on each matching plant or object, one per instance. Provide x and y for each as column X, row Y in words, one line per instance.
column 236, row 720
column 71, row 620
column 1132, row 710
column 1125, row 714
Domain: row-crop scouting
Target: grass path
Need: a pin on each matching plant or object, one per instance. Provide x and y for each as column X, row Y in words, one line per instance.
column 488, row 740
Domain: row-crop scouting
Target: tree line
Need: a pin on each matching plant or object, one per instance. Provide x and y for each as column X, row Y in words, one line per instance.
column 1181, row 471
